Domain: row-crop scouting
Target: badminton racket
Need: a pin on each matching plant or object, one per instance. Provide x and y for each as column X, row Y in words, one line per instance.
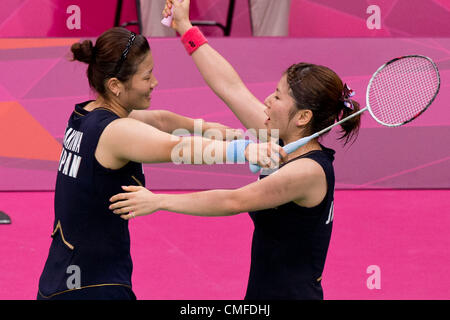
column 398, row 92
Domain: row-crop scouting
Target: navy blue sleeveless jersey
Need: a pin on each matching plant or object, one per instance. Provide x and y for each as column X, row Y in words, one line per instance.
column 91, row 245
column 290, row 244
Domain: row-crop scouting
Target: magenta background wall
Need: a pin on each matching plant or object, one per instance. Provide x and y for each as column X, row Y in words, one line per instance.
column 38, row 86
column 308, row 18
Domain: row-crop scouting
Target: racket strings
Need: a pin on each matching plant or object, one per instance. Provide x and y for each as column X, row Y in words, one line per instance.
column 402, row 90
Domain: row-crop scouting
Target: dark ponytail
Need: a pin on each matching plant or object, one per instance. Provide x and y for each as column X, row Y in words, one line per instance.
column 349, row 128
column 319, row 89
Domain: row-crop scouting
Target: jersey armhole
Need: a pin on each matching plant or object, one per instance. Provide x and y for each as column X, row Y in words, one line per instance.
column 101, row 131
column 325, row 197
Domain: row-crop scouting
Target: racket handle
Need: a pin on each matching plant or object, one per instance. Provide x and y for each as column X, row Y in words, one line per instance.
column 168, row 21
column 254, row 168
column 289, row 148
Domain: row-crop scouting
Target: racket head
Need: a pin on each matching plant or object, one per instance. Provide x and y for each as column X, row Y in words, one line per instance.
column 402, row 89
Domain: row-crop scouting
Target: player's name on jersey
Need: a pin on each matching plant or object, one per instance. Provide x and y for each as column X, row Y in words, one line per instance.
column 72, row 140
column 69, row 163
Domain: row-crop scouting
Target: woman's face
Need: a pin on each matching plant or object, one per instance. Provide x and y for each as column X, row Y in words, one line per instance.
column 279, row 105
column 141, row 85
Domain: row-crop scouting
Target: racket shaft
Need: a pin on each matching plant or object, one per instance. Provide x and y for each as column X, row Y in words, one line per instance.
column 341, row 121
column 291, row 147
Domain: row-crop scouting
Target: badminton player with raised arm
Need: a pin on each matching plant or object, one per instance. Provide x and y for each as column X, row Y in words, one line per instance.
column 292, row 209
column 104, row 147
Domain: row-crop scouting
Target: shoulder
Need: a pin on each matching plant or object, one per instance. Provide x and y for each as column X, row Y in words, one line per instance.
column 124, row 125
column 122, row 130
column 298, row 177
column 305, row 168
column 124, row 122
column 309, row 178
column 302, row 181
column 128, row 131
column 131, row 131
column 130, row 139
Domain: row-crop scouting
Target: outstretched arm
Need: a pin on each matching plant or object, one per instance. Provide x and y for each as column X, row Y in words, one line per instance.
column 163, row 120
column 127, row 139
column 169, row 122
column 297, row 181
column 220, row 76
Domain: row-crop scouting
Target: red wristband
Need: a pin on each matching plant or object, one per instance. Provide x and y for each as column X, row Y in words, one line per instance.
column 193, row 39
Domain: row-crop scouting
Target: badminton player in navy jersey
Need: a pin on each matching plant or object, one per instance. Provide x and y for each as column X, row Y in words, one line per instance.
column 105, row 144
column 292, row 209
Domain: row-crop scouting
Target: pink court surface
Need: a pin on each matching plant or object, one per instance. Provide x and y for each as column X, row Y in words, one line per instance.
column 402, row 232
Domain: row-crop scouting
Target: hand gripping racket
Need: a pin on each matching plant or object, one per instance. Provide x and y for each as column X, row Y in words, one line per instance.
column 168, row 21
column 398, row 92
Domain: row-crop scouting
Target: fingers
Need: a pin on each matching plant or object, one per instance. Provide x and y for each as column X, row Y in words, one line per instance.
column 127, row 216
column 279, row 151
column 124, row 210
column 118, row 206
column 167, row 9
column 132, row 214
column 266, row 162
column 122, row 203
column 237, row 133
column 266, row 155
column 233, row 134
column 214, row 134
column 132, row 188
column 133, row 203
column 283, row 154
column 167, row 12
column 271, row 157
column 118, row 197
column 125, row 196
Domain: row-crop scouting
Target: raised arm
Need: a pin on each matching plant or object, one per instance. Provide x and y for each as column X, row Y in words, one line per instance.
column 220, row 76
